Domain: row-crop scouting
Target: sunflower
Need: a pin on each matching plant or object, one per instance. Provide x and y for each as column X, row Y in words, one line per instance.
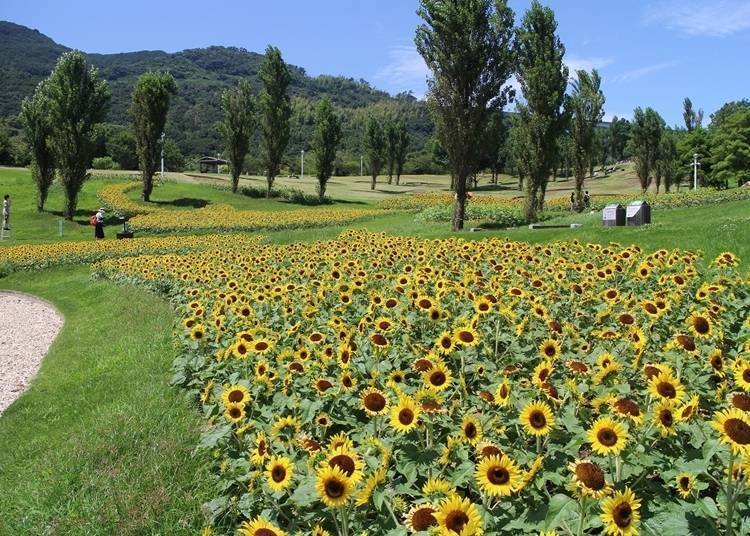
column 716, row 361
column 628, row 408
column 607, row 436
column 444, row 343
column 699, row 324
column 235, row 394
column 333, row 486
column 286, row 428
column 405, row 416
column 666, row 386
column 260, row 527
column 279, row 473
column 685, row 483
column 439, row 377
column 542, row 372
column 742, row 374
column 666, row 417
column 498, row 476
column 420, row 517
column 374, row 402
column 262, row 347
column 348, row 461
column 347, row 381
column 198, row 332
column 340, row 440
column 458, row 517
column 734, row 429
column 549, row 349
column 260, row 451
column 465, row 336
column 502, row 393
column 589, row 479
column 234, row 412
column 689, row 408
column 438, row 488
column 319, row 531
column 537, row 418
column 471, row 429
column 620, row 514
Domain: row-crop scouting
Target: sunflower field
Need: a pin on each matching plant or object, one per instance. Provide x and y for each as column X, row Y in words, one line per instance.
column 384, row 385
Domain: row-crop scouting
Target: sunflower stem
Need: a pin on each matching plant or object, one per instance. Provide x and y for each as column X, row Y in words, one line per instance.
column 390, row 511
column 618, row 468
column 730, row 494
column 344, row 521
column 538, row 445
column 582, row 518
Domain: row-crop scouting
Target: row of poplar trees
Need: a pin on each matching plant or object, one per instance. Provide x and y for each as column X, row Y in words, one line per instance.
column 473, row 49
column 60, row 121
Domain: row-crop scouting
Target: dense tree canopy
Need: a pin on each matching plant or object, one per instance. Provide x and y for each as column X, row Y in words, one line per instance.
column 237, row 126
column 645, row 138
column 586, row 110
column 38, row 131
column 275, row 110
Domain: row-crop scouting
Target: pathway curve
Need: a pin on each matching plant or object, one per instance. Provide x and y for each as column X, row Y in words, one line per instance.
column 28, row 326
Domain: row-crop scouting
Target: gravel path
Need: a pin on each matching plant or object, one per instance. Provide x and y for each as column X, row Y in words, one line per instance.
column 27, row 328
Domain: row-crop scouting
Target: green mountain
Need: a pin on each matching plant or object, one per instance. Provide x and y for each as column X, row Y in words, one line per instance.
column 27, row 57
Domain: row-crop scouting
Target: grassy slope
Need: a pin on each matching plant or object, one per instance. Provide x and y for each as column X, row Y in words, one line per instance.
column 101, row 444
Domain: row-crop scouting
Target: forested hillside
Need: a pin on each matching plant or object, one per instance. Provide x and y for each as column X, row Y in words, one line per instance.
column 27, row 56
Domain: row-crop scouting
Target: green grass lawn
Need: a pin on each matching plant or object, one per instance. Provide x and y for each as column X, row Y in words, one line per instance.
column 100, row 443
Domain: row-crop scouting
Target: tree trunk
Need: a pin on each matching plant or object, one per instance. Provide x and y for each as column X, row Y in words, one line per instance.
column 453, row 181
column 235, row 182
column 579, row 191
column 398, row 178
column 41, row 197
column 321, row 190
column 520, row 182
column 372, row 182
column 530, row 204
column 71, row 200
column 148, row 186
column 390, row 178
column 459, row 204
column 269, row 181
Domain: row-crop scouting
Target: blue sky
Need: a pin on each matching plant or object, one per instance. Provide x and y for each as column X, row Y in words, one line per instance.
column 649, row 52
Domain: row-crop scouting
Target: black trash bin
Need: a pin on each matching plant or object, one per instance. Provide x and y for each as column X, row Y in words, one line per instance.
column 638, row 213
column 613, row 215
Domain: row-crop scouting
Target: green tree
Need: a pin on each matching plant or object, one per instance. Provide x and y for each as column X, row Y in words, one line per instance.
column 38, row 132
column 403, row 141
column 375, row 149
column 468, row 46
column 391, row 139
column 325, row 143
column 121, row 146
column 698, row 141
column 693, row 119
column 494, row 142
column 617, row 138
column 77, row 103
column 730, row 149
column 237, row 126
column 586, row 110
column 151, row 95
column 174, row 160
column 275, row 110
column 723, row 113
column 544, row 78
column 667, row 162
column 645, row 137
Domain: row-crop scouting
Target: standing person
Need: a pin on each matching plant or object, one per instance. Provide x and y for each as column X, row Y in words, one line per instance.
column 572, row 201
column 587, row 199
column 6, row 212
column 99, row 227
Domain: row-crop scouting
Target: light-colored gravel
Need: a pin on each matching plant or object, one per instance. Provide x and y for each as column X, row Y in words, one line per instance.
column 28, row 326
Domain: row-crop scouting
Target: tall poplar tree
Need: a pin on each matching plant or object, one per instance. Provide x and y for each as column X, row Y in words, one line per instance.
column 586, row 110
column 325, row 142
column 38, row 131
column 645, row 137
column 543, row 78
column 468, row 46
column 237, row 126
column 376, row 148
column 151, row 95
column 275, row 111
column 77, row 104
column 401, row 148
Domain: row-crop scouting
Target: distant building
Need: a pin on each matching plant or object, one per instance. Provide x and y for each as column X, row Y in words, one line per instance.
column 210, row 164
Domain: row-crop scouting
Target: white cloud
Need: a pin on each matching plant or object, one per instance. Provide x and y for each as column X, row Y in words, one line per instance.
column 635, row 74
column 576, row 63
column 714, row 18
column 405, row 71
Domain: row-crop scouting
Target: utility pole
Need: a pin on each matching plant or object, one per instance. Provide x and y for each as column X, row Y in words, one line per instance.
column 302, row 165
column 695, row 170
column 162, row 157
column 361, row 166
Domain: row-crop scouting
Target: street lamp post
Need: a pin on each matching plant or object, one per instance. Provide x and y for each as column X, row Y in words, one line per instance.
column 361, row 166
column 695, row 170
column 302, row 165
column 162, row 156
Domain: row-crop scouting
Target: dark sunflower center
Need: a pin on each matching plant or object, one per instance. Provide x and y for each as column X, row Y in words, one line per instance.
column 235, row 413
column 741, row 401
column 324, row 385
column 343, row 462
column 549, row 350
column 466, row 336
column 607, row 437
column 666, row 418
column 685, row 483
column 470, row 430
column 278, row 473
column 746, row 375
column 347, row 381
column 537, row 419
column 375, row 402
column 701, row 325
column 590, row 475
column 236, row 396
column 445, row 342
column 503, row 391
column 334, row 489
column 262, row 448
column 627, row 407
column 261, row 345
column 406, row 416
column 456, row 520
column 666, row 389
column 717, row 363
column 423, row 519
column 543, row 374
column 379, row 340
column 498, row 476
column 738, row 431
column 622, row 515
column 437, row 378
column 264, row 532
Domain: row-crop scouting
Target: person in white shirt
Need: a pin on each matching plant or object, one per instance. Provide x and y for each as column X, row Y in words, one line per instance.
column 6, row 212
column 99, row 228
